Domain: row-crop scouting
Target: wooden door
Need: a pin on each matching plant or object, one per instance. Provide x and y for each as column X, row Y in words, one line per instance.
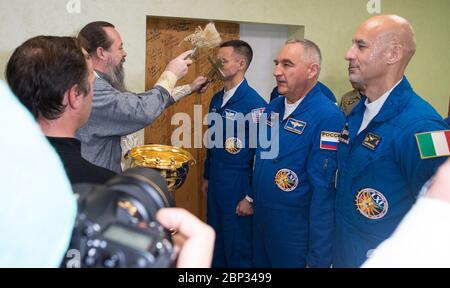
column 163, row 38
column 448, row 108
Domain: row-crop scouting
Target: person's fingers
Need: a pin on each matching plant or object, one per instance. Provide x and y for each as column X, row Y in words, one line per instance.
column 204, row 88
column 198, row 82
column 184, row 55
column 179, row 240
column 180, row 220
column 198, row 248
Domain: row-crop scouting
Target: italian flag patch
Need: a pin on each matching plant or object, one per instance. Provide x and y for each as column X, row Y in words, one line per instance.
column 433, row 144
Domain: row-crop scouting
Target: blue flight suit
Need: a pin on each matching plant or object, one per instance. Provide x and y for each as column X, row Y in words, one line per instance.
column 294, row 193
column 447, row 120
column 228, row 172
column 380, row 172
column 325, row 90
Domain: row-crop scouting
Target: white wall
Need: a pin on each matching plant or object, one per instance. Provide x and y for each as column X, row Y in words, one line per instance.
column 329, row 23
column 265, row 41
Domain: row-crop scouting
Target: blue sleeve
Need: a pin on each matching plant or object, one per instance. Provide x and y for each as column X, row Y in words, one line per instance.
column 415, row 168
column 261, row 104
column 322, row 165
column 207, row 163
column 274, row 94
column 447, row 120
column 327, row 92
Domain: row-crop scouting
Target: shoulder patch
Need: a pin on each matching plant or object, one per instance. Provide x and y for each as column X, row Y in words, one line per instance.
column 295, row 126
column 329, row 140
column 371, row 203
column 233, row 145
column 345, row 137
column 433, row 144
column 286, row 180
column 371, row 141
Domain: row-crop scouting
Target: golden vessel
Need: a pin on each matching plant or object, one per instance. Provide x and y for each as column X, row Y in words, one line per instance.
column 172, row 162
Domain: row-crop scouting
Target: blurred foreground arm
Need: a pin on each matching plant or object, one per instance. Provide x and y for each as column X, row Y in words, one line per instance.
column 421, row 239
column 37, row 189
column 441, row 184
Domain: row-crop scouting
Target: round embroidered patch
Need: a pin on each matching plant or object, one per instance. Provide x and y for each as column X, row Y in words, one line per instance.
column 371, row 203
column 233, row 145
column 286, row 180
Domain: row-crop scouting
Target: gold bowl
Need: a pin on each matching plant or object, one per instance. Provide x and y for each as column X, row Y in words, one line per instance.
column 171, row 162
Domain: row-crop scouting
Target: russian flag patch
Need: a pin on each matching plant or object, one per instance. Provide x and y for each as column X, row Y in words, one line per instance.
column 329, row 140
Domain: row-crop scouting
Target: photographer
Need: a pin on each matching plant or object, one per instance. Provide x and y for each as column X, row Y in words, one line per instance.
column 53, row 79
column 36, row 187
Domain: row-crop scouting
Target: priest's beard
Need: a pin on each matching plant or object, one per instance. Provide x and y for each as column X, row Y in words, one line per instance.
column 116, row 77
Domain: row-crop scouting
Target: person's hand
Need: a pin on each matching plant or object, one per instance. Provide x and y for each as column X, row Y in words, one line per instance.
column 440, row 189
column 244, row 208
column 200, row 84
column 197, row 249
column 204, row 188
column 179, row 65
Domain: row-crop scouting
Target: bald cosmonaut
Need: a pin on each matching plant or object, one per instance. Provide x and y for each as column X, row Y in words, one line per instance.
column 387, row 42
column 384, row 154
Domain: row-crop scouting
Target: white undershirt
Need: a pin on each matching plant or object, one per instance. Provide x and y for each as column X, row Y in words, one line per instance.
column 373, row 108
column 228, row 94
column 289, row 108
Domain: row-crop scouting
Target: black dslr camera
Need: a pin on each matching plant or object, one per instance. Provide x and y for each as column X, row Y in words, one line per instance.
column 116, row 224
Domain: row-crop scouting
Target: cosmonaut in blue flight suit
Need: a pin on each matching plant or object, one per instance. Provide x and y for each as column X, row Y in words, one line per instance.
column 228, row 169
column 294, row 192
column 381, row 171
column 392, row 143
